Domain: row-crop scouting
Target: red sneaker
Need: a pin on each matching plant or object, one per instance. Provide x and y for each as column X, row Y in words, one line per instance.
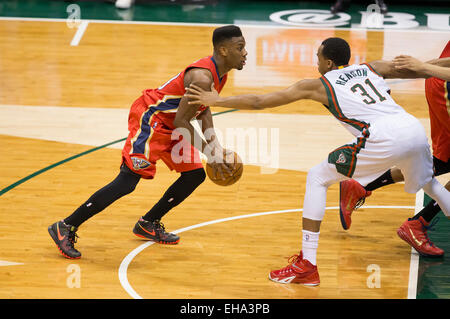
column 351, row 196
column 299, row 271
column 414, row 232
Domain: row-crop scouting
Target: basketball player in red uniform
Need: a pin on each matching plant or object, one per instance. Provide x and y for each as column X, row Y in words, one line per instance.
column 414, row 230
column 153, row 118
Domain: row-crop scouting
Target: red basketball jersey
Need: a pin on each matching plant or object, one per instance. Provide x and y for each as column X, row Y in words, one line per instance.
column 166, row 99
column 437, row 94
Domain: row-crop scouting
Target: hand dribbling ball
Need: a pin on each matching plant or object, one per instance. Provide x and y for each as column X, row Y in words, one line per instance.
column 229, row 178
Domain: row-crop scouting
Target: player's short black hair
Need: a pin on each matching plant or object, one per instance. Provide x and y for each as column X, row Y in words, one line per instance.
column 224, row 33
column 337, row 50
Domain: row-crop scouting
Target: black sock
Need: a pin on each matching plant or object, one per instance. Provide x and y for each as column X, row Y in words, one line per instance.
column 381, row 181
column 122, row 185
column 429, row 211
column 177, row 192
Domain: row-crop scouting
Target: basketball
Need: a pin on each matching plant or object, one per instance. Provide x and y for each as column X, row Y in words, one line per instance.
column 230, row 179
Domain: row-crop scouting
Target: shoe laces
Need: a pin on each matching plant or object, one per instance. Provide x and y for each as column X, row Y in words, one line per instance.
column 360, row 202
column 291, row 261
column 159, row 226
column 72, row 236
column 429, row 227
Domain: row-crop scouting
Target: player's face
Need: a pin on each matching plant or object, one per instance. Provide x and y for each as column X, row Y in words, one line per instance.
column 324, row 65
column 236, row 53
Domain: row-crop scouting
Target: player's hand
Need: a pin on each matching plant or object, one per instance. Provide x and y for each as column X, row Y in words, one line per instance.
column 222, row 162
column 408, row 62
column 221, row 170
column 197, row 95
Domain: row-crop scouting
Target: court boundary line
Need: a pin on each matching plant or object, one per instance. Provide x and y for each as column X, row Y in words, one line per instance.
column 414, row 262
column 199, row 24
column 123, row 268
column 80, row 32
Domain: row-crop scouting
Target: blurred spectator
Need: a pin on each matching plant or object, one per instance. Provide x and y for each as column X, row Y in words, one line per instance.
column 124, row 4
column 343, row 5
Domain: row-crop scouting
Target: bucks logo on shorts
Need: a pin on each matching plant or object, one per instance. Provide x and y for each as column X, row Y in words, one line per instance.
column 345, row 157
column 139, row 163
column 341, row 159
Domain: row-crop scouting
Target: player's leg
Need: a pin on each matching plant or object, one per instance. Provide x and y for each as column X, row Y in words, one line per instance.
column 132, row 168
column 192, row 175
column 414, row 231
column 177, row 193
column 417, row 168
column 302, row 268
column 64, row 232
column 440, row 194
column 150, row 226
column 350, row 189
column 432, row 208
column 352, row 194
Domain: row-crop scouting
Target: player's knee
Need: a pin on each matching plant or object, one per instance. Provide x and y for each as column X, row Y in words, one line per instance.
column 126, row 184
column 322, row 174
column 201, row 176
column 196, row 176
column 314, row 175
column 129, row 188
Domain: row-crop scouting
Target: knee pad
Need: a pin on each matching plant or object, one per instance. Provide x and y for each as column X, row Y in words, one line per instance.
column 324, row 174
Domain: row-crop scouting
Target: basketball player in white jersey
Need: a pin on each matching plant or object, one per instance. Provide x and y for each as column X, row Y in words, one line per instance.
column 385, row 136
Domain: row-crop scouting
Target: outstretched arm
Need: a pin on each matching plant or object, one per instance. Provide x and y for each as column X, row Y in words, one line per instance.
column 439, row 68
column 305, row 89
column 390, row 69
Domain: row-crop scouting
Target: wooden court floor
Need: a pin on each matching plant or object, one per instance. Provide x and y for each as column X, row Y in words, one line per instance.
column 231, row 256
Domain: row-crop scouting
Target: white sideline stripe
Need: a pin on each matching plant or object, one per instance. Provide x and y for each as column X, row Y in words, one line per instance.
column 414, row 263
column 123, row 278
column 9, row 263
column 79, row 34
column 244, row 25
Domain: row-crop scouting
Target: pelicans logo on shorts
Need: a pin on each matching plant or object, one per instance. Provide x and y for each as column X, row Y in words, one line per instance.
column 139, row 163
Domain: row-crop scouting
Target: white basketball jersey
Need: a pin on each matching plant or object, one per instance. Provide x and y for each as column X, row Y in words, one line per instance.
column 358, row 96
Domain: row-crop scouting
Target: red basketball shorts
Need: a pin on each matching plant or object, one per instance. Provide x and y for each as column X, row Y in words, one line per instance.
column 150, row 140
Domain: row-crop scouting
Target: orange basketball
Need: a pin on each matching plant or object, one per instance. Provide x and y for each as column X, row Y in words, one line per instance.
column 230, row 179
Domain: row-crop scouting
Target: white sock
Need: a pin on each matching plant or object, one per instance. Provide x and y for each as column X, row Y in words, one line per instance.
column 440, row 194
column 309, row 246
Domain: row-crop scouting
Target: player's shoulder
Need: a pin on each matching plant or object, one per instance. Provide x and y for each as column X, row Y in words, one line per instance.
column 379, row 67
column 200, row 76
column 205, row 62
column 312, row 84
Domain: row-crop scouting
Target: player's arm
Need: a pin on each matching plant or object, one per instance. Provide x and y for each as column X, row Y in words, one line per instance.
column 205, row 121
column 439, row 68
column 206, row 124
column 443, row 62
column 186, row 112
column 304, row 89
column 388, row 70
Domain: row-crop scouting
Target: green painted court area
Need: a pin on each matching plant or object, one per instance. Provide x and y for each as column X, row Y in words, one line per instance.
column 433, row 274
